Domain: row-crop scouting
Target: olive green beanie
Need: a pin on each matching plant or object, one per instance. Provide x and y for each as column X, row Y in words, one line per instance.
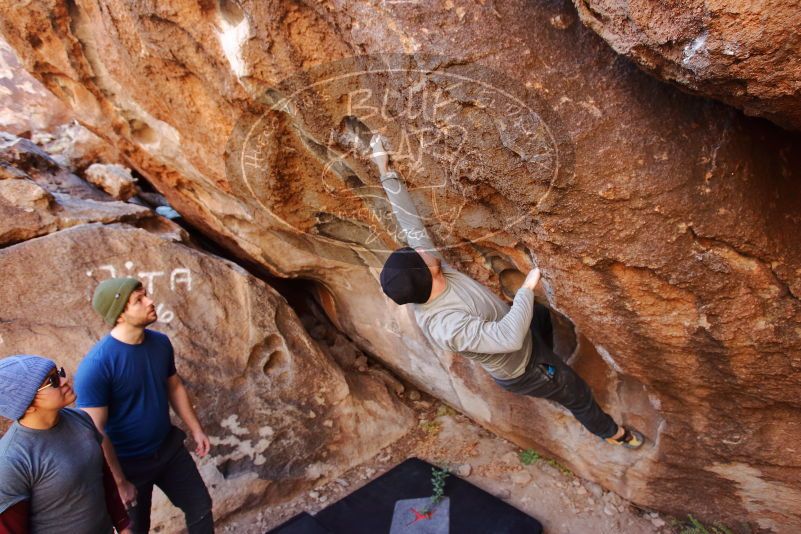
column 111, row 296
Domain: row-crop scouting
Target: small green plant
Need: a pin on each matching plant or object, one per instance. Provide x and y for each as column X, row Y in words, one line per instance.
column 696, row 527
column 430, row 427
column 438, row 477
column 444, row 409
column 562, row 469
column 528, row 456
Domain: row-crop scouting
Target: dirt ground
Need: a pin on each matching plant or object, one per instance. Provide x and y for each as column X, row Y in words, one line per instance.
column 562, row 502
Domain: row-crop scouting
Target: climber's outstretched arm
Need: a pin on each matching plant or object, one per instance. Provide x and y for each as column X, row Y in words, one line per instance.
column 413, row 231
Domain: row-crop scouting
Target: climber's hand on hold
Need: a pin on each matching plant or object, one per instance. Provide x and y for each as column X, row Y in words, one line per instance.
column 532, row 279
column 379, row 155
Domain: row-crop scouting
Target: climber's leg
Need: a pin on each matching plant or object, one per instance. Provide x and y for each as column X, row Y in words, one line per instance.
column 572, row 392
column 547, row 376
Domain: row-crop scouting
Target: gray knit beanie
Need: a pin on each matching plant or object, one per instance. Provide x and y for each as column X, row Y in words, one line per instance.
column 111, row 296
column 20, row 376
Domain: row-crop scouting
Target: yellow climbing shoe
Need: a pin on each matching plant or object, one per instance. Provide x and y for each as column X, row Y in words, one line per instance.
column 631, row 439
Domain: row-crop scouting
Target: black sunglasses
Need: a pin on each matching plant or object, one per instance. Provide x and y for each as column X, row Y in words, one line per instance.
column 54, row 380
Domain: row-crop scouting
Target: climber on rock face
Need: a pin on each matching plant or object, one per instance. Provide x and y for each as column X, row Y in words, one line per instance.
column 456, row 313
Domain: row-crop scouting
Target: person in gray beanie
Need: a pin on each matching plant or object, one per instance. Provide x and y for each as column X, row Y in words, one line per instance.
column 53, row 477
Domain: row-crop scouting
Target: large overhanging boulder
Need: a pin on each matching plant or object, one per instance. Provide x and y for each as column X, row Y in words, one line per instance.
column 664, row 223
column 25, row 106
column 742, row 53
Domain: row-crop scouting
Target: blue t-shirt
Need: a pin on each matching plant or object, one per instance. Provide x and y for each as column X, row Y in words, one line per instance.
column 131, row 380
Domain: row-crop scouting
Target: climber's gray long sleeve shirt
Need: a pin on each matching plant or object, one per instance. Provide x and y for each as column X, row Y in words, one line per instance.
column 466, row 317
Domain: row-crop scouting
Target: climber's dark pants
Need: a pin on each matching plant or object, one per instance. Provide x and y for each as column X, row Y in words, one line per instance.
column 547, row 376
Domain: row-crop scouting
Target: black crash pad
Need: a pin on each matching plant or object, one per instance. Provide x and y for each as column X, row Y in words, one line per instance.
column 369, row 509
column 302, row 523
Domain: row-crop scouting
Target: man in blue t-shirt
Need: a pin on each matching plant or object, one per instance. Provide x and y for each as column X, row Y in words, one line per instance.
column 127, row 383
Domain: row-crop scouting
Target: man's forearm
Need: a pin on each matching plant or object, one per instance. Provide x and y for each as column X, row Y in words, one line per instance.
column 413, row 230
column 383, row 168
column 114, row 505
column 179, row 400
column 112, row 460
column 518, row 319
column 493, row 337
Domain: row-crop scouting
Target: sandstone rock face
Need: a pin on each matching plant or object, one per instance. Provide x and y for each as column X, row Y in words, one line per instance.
column 115, row 180
column 280, row 413
column 27, row 210
column 34, row 197
column 742, row 53
column 28, row 108
column 664, row 223
column 25, row 104
column 72, row 145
